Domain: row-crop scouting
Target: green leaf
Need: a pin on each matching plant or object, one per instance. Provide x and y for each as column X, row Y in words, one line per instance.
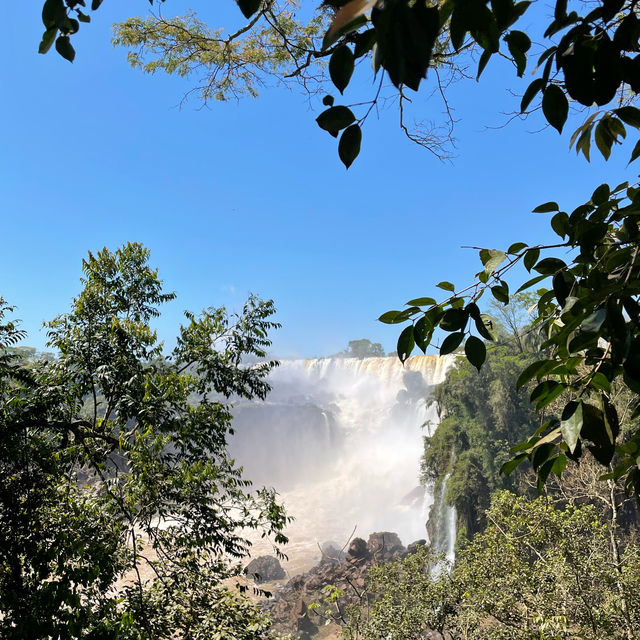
column 95, row 4
column 593, row 323
column 535, row 370
column 422, row 332
column 65, row 49
column 555, row 106
column 530, row 258
column 348, row 18
column 604, row 139
column 473, row 310
column 349, row 145
column 248, row 7
column 601, row 194
column 509, row 467
column 364, row 42
column 447, row 286
column 560, row 464
column 482, row 63
column 53, row 13
column 334, row 119
column 451, row 343
column 600, row 381
column 571, row 424
column 327, row 101
column 454, row 320
column 516, row 247
column 584, row 143
column 546, row 392
column 635, row 153
column 547, row 207
column 541, row 454
column 341, row 66
column 421, row 302
column 406, row 343
column 500, row 293
column 560, row 223
column 83, row 17
column 532, row 90
column 530, row 283
column 485, row 327
column 518, row 43
column 548, row 266
column 390, row 317
column 476, row 351
column 48, row 38
column 630, row 115
column 491, row 259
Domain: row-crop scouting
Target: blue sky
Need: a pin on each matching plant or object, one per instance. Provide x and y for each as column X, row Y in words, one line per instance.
column 250, row 196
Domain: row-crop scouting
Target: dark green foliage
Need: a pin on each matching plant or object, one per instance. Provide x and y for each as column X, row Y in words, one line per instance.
column 483, row 416
column 57, row 17
column 121, row 510
column 539, row 570
column 341, row 67
column 590, row 321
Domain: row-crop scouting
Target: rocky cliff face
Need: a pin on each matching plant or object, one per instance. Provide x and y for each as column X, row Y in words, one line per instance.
column 289, row 607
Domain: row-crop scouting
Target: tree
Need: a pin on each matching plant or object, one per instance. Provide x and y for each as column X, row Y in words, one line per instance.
column 590, row 316
column 122, row 512
column 537, row 571
column 363, row 348
column 281, row 43
column 482, row 417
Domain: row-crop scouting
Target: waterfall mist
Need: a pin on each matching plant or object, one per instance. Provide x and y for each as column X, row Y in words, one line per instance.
column 341, row 441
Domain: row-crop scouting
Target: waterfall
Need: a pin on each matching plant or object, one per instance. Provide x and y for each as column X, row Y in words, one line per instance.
column 444, row 529
column 341, row 441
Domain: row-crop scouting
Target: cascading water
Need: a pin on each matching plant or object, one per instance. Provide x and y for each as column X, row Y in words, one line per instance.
column 444, row 531
column 341, row 440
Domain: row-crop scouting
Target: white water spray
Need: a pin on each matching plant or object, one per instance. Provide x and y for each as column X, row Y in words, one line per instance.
column 341, row 440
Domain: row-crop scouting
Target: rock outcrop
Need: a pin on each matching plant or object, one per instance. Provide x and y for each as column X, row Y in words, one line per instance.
column 290, row 606
column 265, row 569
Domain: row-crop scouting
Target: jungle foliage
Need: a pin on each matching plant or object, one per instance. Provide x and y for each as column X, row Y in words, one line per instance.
column 121, row 513
column 482, row 417
column 537, row 571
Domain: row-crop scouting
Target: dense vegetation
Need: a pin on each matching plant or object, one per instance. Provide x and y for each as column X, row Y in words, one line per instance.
column 536, row 571
column 121, row 513
column 482, row 417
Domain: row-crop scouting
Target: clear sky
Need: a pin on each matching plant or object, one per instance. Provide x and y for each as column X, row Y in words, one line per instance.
column 250, row 196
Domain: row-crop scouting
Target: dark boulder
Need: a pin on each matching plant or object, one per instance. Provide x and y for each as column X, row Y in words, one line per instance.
column 357, row 550
column 265, row 569
column 385, row 546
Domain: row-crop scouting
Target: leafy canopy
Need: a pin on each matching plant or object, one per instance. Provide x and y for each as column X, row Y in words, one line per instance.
column 122, row 511
column 537, row 571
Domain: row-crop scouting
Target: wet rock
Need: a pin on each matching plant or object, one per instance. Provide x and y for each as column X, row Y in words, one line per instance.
column 289, row 608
